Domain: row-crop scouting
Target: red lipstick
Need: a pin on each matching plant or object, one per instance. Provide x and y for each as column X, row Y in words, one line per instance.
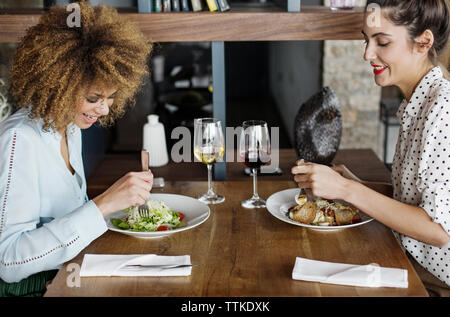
column 378, row 71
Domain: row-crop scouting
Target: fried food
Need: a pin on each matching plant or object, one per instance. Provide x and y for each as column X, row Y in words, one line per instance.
column 305, row 213
column 322, row 212
column 344, row 215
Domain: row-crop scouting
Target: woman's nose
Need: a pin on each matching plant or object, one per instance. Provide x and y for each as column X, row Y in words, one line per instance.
column 103, row 108
column 369, row 53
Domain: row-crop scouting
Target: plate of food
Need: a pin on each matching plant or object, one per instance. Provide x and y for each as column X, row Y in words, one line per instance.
column 294, row 207
column 167, row 214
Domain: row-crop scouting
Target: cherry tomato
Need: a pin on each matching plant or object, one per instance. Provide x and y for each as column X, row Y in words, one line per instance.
column 162, row 228
column 181, row 215
column 356, row 219
column 330, row 212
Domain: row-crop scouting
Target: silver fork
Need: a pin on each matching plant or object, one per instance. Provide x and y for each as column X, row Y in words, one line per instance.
column 143, row 209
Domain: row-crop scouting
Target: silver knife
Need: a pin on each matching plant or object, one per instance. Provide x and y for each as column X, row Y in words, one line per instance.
column 164, row 266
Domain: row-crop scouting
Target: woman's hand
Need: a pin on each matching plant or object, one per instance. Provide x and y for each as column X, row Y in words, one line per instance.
column 322, row 180
column 133, row 189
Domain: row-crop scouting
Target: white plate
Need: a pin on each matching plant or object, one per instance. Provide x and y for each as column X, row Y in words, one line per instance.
column 195, row 213
column 279, row 203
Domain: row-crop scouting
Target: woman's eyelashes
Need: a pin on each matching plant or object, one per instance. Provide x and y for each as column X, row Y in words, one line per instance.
column 92, row 99
column 96, row 99
column 379, row 43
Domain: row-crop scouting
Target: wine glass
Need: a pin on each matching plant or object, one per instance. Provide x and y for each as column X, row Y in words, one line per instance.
column 254, row 151
column 209, row 148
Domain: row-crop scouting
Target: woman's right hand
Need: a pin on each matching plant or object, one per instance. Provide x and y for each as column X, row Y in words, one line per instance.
column 321, row 180
column 133, row 189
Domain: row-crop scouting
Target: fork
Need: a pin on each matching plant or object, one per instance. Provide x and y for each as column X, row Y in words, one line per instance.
column 143, row 209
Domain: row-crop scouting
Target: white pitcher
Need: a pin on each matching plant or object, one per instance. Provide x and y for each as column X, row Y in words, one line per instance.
column 154, row 141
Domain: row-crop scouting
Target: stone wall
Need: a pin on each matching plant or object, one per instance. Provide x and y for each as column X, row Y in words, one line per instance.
column 345, row 70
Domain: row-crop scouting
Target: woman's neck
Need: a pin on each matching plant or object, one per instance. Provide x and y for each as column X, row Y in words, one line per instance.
column 407, row 88
column 63, row 135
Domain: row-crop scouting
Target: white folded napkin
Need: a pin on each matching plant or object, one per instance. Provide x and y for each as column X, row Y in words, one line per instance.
column 114, row 265
column 347, row 274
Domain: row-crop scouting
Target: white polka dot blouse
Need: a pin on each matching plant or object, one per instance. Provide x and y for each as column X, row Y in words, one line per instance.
column 421, row 165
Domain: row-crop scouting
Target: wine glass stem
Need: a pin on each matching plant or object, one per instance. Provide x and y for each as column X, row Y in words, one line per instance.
column 210, row 190
column 255, row 183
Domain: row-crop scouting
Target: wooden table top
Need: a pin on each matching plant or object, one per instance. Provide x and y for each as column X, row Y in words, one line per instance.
column 243, row 252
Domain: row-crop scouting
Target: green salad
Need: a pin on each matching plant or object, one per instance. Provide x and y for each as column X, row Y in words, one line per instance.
column 159, row 218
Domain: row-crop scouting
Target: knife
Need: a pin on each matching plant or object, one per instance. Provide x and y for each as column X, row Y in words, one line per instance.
column 158, row 266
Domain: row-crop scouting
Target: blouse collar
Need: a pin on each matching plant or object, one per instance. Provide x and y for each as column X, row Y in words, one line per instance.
column 51, row 135
column 421, row 93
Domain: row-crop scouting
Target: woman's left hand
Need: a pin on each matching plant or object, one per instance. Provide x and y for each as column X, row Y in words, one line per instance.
column 322, row 180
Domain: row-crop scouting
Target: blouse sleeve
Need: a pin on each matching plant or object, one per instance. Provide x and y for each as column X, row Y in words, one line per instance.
column 25, row 248
column 434, row 167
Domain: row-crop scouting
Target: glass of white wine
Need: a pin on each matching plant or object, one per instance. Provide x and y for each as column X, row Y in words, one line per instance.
column 209, row 148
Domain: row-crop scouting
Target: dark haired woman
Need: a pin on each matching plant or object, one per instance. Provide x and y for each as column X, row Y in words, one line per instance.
column 403, row 49
column 64, row 79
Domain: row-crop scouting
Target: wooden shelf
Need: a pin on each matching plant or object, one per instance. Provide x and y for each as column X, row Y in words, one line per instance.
column 238, row 24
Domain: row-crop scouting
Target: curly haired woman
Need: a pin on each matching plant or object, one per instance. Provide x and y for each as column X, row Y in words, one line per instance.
column 63, row 79
column 403, row 51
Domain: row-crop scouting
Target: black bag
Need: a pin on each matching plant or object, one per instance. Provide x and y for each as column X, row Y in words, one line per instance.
column 318, row 128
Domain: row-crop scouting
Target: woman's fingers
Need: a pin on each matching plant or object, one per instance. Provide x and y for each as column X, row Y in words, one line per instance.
column 145, row 175
column 301, row 169
column 302, row 174
column 142, row 197
column 301, row 178
column 133, row 189
column 144, row 184
column 132, row 195
column 304, row 184
column 139, row 179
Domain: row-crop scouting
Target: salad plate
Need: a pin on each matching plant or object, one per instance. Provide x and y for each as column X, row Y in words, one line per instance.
column 194, row 211
column 278, row 205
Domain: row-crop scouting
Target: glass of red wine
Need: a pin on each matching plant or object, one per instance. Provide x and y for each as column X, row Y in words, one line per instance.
column 254, row 152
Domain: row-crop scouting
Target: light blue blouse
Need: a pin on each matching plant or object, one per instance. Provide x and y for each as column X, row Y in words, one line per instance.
column 46, row 218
